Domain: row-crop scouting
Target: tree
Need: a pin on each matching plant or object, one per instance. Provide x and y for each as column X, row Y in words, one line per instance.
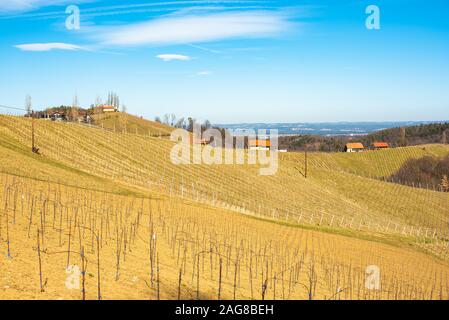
column 190, row 124
column 172, row 119
column 74, row 109
column 444, row 138
column 166, row 119
column 403, row 136
column 98, row 102
column 180, row 123
column 158, row 119
column 28, row 105
column 75, row 101
column 207, row 125
column 113, row 100
column 124, row 119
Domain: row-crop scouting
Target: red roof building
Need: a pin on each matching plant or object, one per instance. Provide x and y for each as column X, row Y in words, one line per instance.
column 380, row 145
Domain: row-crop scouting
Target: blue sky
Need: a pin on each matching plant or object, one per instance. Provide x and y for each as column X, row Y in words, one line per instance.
column 232, row 61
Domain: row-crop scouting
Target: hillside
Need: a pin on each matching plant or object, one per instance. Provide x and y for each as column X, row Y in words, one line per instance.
column 397, row 137
column 282, row 229
column 425, row 172
column 124, row 122
column 412, row 135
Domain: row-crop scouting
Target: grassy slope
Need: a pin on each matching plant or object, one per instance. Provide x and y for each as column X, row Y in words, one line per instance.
column 383, row 163
column 329, row 194
column 184, row 229
column 125, row 164
column 121, row 122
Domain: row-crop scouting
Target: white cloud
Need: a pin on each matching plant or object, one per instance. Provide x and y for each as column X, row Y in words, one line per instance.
column 170, row 57
column 163, row 7
column 204, row 73
column 21, row 5
column 14, row 6
column 194, row 29
column 48, row 46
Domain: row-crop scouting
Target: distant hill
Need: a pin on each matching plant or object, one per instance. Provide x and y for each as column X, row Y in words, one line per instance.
column 124, row 122
column 396, row 137
column 413, row 135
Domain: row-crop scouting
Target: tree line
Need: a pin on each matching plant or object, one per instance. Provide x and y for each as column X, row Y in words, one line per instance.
column 396, row 137
column 425, row 172
column 186, row 123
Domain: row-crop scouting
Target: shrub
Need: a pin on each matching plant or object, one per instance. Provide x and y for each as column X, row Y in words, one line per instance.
column 427, row 171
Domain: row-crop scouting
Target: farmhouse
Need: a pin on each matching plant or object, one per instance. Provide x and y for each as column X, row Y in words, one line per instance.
column 108, row 108
column 380, row 145
column 82, row 116
column 354, row 147
column 57, row 116
column 259, row 144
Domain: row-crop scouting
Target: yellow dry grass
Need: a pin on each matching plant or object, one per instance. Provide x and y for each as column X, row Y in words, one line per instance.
column 146, row 243
column 124, row 122
column 324, row 230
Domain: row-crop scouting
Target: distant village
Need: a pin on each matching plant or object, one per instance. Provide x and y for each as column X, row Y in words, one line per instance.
column 78, row 114
column 264, row 144
column 81, row 115
column 359, row 147
column 75, row 113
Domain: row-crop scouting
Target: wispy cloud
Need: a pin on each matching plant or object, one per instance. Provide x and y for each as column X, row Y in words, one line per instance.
column 170, row 57
column 203, row 48
column 40, row 47
column 195, row 29
column 16, row 6
column 204, row 73
column 174, row 7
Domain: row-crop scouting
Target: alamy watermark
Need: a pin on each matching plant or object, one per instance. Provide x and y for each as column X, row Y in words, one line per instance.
column 372, row 22
column 211, row 148
column 372, row 279
column 73, row 20
column 72, row 281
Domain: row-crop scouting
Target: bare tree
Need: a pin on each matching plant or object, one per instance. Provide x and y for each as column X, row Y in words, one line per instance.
column 444, row 138
column 98, row 102
column 74, row 109
column 403, row 136
column 207, row 125
column 181, row 123
column 113, row 100
column 172, row 119
column 166, row 119
column 28, row 105
column 190, row 124
column 75, row 101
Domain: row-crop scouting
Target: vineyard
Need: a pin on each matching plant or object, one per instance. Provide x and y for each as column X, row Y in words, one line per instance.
column 124, row 122
column 111, row 203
